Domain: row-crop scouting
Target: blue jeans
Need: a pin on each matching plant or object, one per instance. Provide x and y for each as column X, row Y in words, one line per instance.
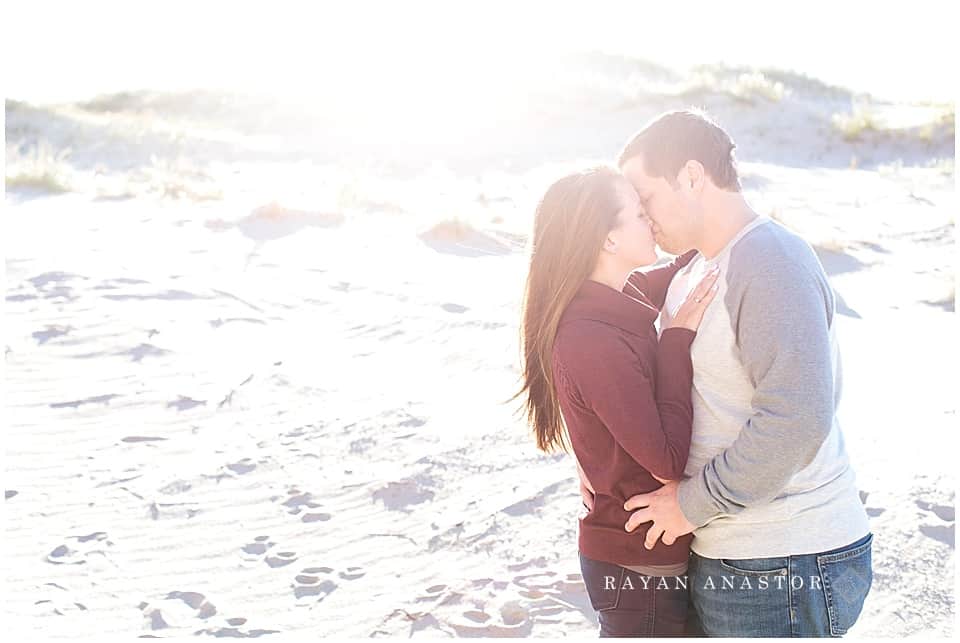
column 629, row 604
column 811, row 595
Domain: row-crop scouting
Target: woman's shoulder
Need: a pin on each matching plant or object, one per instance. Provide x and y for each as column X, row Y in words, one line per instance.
column 582, row 330
column 590, row 340
column 589, row 354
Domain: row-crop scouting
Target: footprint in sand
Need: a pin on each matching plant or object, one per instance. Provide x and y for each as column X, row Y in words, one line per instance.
column 57, row 600
column 943, row 533
column 313, row 581
column 872, row 512
column 184, row 403
column 318, row 581
column 511, row 619
column 141, row 351
column 484, row 607
column 477, row 616
column 234, row 630
column 437, row 594
column 76, row 550
column 281, row 558
column 245, row 465
column 943, row 512
column 172, row 510
column 936, row 529
column 96, row 399
column 352, row 573
column 177, row 609
column 51, row 332
column 555, row 601
column 402, row 494
column 176, row 487
column 257, row 548
column 362, row 445
column 302, row 504
column 498, row 608
column 51, row 284
column 260, row 548
column 402, row 622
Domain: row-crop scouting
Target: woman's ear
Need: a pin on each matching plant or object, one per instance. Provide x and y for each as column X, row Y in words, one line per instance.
column 610, row 245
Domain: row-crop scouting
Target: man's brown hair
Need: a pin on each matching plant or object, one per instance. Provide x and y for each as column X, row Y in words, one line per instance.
column 674, row 138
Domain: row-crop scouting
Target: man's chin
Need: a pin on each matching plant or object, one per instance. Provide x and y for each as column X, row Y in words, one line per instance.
column 668, row 248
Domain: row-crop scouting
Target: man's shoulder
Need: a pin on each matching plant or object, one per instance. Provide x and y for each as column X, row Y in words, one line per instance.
column 774, row 251
column 772, row 266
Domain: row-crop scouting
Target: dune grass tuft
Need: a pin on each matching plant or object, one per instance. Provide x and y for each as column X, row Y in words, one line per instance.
column 856, row 123
column 40, row 168
column 943, row 125
column 746, row 87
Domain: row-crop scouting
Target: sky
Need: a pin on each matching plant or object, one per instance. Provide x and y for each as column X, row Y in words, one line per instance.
column 56, row 51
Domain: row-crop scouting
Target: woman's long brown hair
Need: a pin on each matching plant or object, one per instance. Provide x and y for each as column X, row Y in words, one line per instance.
column 570, row 224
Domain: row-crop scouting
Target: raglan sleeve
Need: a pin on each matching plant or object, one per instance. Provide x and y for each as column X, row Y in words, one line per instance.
column 781, row 314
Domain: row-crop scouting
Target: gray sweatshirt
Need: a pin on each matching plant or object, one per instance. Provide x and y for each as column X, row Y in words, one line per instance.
column 768, row 474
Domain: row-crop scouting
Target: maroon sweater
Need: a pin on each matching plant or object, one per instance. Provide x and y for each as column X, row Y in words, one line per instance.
column 625, row 399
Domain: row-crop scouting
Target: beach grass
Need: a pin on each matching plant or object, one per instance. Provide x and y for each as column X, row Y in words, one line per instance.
column 39, row 168
column 854, row 124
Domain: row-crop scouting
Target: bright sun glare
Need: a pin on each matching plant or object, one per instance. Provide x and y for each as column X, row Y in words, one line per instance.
column 384, row 54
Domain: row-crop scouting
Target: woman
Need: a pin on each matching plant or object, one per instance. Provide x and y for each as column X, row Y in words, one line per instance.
column 593, row 363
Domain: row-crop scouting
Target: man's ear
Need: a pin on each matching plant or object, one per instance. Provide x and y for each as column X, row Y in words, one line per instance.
column 692, row 176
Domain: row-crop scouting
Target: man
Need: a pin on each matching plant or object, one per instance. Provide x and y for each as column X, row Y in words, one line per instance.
column 782, row 543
